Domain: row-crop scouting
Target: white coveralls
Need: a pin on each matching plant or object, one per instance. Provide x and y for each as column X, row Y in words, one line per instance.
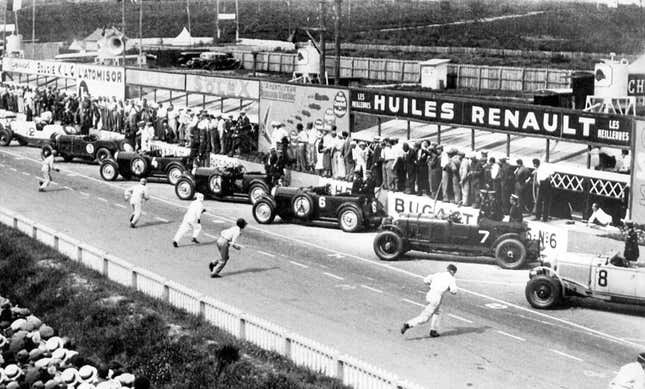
column 439, row 283
column 630, row 376
column 137, row 194
column 191, row 219
column 46, row 169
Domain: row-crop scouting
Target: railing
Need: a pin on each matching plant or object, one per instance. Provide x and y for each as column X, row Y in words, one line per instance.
column 300, row 350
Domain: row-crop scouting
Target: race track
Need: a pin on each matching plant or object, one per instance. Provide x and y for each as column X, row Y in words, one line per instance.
column 328, row 285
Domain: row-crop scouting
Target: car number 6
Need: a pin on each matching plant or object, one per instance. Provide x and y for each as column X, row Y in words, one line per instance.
column 322, row 202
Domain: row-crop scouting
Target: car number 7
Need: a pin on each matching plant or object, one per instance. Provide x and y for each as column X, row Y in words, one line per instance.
column 484, row 235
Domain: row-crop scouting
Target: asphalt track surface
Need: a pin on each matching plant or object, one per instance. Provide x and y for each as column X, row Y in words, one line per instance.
column 328, row 285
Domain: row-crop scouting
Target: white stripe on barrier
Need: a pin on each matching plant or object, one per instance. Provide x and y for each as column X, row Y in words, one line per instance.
column 300, row 350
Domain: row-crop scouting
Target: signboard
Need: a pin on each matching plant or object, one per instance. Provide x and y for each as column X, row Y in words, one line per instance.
column 94, row 80
column 291, row 104
column 403, row 203
column 637, row 194
column 222, row 86
column 528, row 120
column 636, row 85
column 152, row 79
column 552, row 239
column 226, row 16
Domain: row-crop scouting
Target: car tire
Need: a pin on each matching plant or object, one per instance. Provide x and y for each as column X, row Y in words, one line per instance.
column 102, row 154
column 67, row 158
column 543, row 292
column 263, row 212
column 125, row 146
column 22, row 142
column 184, row 189
column 256, row 191
column 302, row 206
column 173, row 174
column 109, row 171
column 5, row 137
column 215, row 184
column 138, row 166
column 47, row 149
column 388, row 245
column 349, row 219
column 510, row 253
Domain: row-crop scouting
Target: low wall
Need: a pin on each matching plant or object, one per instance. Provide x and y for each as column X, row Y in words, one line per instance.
column 300, row 350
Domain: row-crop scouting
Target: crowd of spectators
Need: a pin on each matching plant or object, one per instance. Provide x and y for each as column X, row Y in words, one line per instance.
column 138, row 120
column 33, row 356
column 423, row 168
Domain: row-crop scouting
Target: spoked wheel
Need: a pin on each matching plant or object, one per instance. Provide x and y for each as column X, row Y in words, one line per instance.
column 256, row 192
column 174, row 173
column 543, row 292
column 109, row 171
column 388, row 245
column 184, row 189
column 350, row 220
column 510, row 254
column 263, row 212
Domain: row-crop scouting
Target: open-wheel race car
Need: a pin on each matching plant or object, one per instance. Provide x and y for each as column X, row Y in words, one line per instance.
column 508, row 243
column 569, row 274
column 87, row 147
column 307, row 204
column 232, row 182
column 38, row 132
column 132, row 165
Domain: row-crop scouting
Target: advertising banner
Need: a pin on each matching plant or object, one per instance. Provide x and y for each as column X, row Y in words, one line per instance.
column 93, row 79
column 291, row 104
column 222, row 86
column 637, row 194
column 636, row 85
column 528, row 120
column 162, row 80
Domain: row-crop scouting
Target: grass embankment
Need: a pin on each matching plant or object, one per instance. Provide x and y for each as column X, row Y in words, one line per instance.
column 110, row 322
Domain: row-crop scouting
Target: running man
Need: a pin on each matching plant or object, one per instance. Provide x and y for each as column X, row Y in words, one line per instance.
column 439, row 283
column 46, row 168
column 191, row 220
column 137, row 194
column 227, row 238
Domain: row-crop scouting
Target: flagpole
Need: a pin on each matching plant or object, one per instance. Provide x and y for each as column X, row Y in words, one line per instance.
column 140, row 31
column 188, row 13
column 237, row 21
column 4, row 29
column 125, row 87
column 217, row 20
column 33, row 29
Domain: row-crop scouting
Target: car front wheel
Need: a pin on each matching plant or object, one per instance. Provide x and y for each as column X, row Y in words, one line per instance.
column 5, row 137
column 184, row 189
column 350, row 220
column 543, row 292
column 510, row 254
column 263, row 212
column 174, row 173
column 109, row 171
column 256, row 192
column 102, row 154
column 388, row 245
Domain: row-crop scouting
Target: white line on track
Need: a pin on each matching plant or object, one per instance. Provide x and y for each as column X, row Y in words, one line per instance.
column 70, row 174
column 393, row 268
column 567, row 355
column 372, row 289
column 83, row 193
column 265, row 253
column 422, row 291
column 299, row 264
column 162, row 219
column 511, row 336
column 119, row 205
column 333, row 276
column 218, row 221
column 26, row 174
column 492, row 282
column 210, row 235
column 13, row 168
column 460, row 318
column 413, row 302
column 68, row 188
column 102, row 199
column 18, row 158
column 2, row 164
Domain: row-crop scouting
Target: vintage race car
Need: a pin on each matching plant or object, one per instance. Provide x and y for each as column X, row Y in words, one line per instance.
column 307, row 204
column 508, row 243
column 226, row 182
column 88, row 147
column 583, row 275
column 131, row 165
column 33, row 133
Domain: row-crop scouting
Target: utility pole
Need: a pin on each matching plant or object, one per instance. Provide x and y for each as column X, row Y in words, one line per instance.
column 123, row 40
column 188, row 14
column 323, row 51
column 237, row 21
column 339, row 4
column 289, row 15
column 33, row 30
column 4, row 29
column 218, row 33
column 140, row 31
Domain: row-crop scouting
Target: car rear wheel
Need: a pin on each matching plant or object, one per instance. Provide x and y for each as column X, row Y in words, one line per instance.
column 174, row 173
column 510, row 254
column 543, row 292
column 388, row 245
column 102, row 154
column 257, row 191
column 302, row 205
column 350, row 220
column 263, row 212
column 109, row 171
column 5, row 137
column 138, row 166
column 184, row 189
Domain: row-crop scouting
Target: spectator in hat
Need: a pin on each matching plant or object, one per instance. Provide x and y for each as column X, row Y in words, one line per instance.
column 243, row 120
column 389, row 159
column 357, row 184
column 631, row 252
column 422, row 167
column 221, row 129
column 410, row 163
column 319, row 167
column 507, row 183
column 543, row 189
column 302, row 140
column 434, row 169
column 362, row 158
column 347, row 152
column 147, row 135
column 213, row 133
column 465, row 177
column 204, row 145
column 515, row 212
column 522, row 179
column 329, row 142
column 312, row 136
column 446, row 174
column 631, row 375
column 337, row 164
column 375, row 165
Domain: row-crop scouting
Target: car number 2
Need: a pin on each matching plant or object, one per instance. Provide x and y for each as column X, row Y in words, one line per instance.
column 322, row 202
column 484, row 234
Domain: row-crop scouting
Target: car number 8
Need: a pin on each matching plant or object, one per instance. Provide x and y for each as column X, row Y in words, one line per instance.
column 602, row 278
column 322, row 202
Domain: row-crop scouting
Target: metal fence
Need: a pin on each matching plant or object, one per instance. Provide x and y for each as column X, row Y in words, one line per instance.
column 476, row 77
column 300, row 350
